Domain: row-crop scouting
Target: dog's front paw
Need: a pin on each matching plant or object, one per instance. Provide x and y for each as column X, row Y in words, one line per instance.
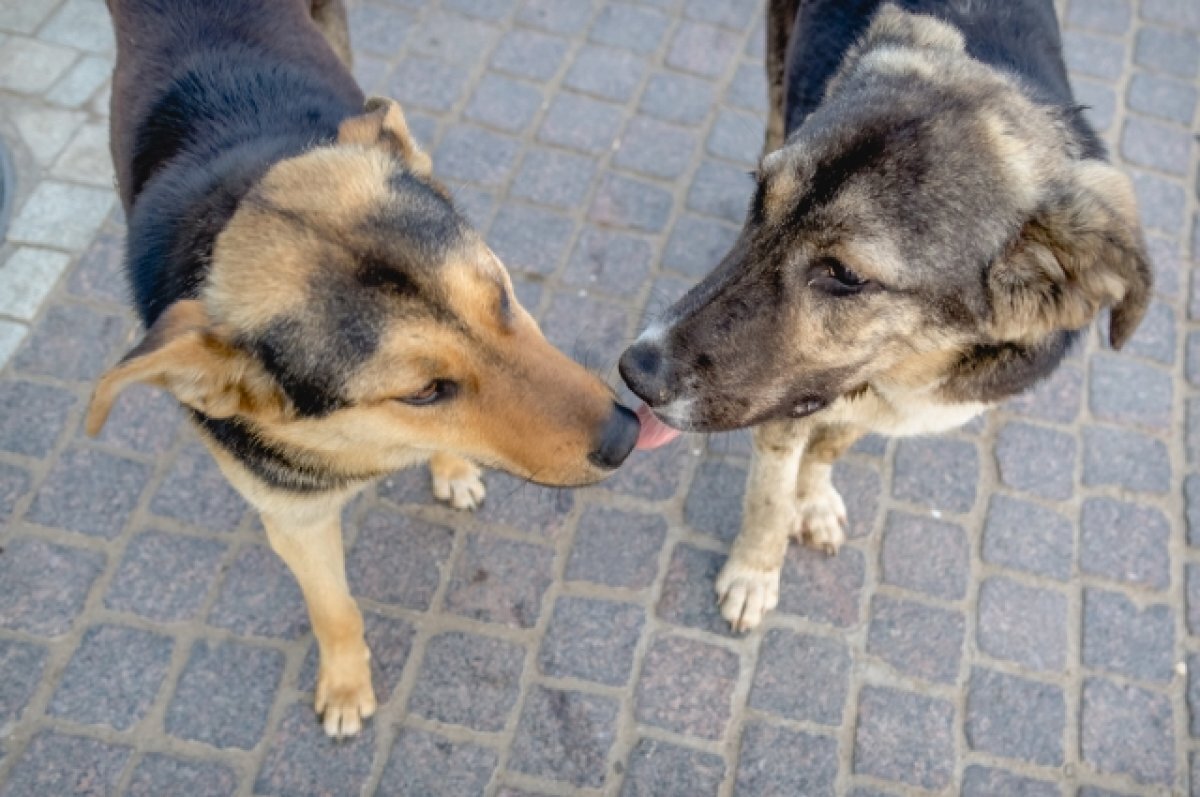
column 746, row 594
column 457, row 482
column 822, row 519
column 344, row 695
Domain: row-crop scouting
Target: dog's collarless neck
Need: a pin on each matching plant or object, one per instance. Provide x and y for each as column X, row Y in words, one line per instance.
column 992, row 373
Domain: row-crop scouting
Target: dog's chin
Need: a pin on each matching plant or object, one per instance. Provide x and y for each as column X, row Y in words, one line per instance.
column 718, row 421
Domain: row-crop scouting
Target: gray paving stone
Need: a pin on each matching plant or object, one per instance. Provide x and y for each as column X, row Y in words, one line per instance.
column 452, row 38
column 801, row 677
column 661, row 769
column 1192, row 598
column 1193, row 694
column 1173, row 51
column 1191, row 493
column 530, row 239
column 1149, row 143
column 697, row 244
column 1165, row 259
column 424, row 764
column 591, row 639
column 824, row 589
column 1155, row 336
column 494, row 10
column 43, row 586
column 144, row 420
column 625, row 202
column 26, row 278
column 55, row 763
column 616, row 548
column 687, row 596
column 390, row 641
column 32, row 417
column 1099, row 101
column 1126, row 459
column 25, row 17
column 605, row 72
column 225, row 693
column 1013, row 717
column 113, row 677
column 526, row 507
column 1036, row 460
column 15, row 483
column 1024, row 624
column 748, row 89
column 260, row 597
column 1126, row 391
column 1120, row 638
column 29, row 66
column 777, row 761
column 1098, row 56
column 554, row 178
column 81, row 25
column 1127, row 730
column 529, row 54
column 936, row 471
column 589, row 330
column 59, row 215
column 1107, row 16
column 735, row 14
column 380, row 29
column 71, row 342
column 1164, row 97
column 714, row 503
column 467, row 679
column 686, row 687
column 100, row 272
column 737, row 137
column 21, row 666
column 1092, row 791
column 980, row 781
column 158, row 774
column 630, row 27
column 1162, row 202
column 677, row 98
column 475, row 155
column 904, row 737
column 655, row 148
column 1124, row 542
column 927, row 555
column 503, row 103
column 398, row 559
column 426, row 83
column 1171, row 12
column 702, row 49
column 1191, row 430
column 565, row 735
column 721, row 190
column 500, row 581
column 1025, row 536
column 90, row 492
column 581, row 123
column 301, row 761
column 81, row 82
column 196, row 492
column 558, row 16
column 918, row 640
column 860, row 487
column 613, row 262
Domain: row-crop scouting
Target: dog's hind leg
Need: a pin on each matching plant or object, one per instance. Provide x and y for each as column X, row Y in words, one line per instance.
column 456, row 481
column 311, row 545
column 748, row 584
column 330, row 16
column 822, row 514
column 781, row 17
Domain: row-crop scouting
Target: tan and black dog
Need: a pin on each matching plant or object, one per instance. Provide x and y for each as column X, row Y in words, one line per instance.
column 928, row 240
column 314, row 299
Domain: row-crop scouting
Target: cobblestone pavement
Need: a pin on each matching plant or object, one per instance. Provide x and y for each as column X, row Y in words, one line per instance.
column 1013, row 616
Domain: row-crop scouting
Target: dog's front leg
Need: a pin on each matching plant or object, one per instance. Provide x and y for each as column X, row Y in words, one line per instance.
column 748, row 585
column 312, row 548
column 821, row 509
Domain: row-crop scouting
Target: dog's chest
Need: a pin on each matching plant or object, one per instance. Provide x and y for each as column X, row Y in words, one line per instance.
column 902, row 414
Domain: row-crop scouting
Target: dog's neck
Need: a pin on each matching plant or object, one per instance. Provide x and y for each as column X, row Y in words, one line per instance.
column 992, row 373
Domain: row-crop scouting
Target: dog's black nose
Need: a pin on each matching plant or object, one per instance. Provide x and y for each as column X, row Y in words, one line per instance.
column 617, row 438
column 643, row 368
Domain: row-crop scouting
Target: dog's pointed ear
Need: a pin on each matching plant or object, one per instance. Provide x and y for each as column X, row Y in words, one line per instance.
column 182, row 354
column 1082, row 250
column 382, row 124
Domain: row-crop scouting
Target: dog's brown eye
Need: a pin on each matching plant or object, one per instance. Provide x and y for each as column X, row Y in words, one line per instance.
column 832, row 275
column 435, row 391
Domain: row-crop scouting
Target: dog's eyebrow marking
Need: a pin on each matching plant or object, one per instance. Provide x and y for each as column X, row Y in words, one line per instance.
column 504, row 306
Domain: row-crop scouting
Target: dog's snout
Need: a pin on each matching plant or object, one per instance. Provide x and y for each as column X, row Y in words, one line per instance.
column 617, row 438
column 643, row 368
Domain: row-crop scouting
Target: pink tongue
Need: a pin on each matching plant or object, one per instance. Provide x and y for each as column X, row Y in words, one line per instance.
column 654, row 432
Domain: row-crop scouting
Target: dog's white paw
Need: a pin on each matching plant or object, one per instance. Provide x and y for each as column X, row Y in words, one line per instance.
column 344, row 696
column 746, row 594
column 459, row 483
column 822, row 519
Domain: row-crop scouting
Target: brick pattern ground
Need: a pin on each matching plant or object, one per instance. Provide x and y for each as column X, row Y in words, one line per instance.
column 1017, row 612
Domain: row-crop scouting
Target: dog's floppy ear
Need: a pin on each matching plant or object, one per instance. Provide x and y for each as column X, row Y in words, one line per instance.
column 184, row 355
column 382, row 124
column 1081, row 251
